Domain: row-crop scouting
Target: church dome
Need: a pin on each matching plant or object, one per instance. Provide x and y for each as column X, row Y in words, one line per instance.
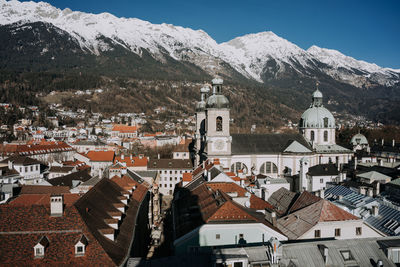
column 316, row 116
column 217, row 101
column 359, row 139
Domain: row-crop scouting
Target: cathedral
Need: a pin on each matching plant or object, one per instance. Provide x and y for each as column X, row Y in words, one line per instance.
column 274, row 155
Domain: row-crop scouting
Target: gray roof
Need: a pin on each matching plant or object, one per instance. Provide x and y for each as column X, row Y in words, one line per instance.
column 366, row 252
column 67, row 180
column 89, row 143
column 323, row 170
column 332, row 149
column 244, row 144
column 145, row 174
column 282, row 199
column 337, row 191
column 387, row 221
column 21, row 160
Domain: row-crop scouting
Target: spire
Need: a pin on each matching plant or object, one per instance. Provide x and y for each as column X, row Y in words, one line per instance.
column 317, row 97
column 217, row 86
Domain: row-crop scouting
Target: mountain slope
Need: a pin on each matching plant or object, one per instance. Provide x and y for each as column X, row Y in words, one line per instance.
column 259, row 57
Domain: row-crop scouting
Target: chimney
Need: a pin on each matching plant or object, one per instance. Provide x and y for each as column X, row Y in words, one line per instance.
column 383, row 141
column 122, row 156
column 142, row 156
column 370, row 192
column 10, row 165
column 340, row 197
column 393, row 143
column 56, row 205
column 130, row 157
column 123, row 170
column 208, row 176
column 273, row 218
column 377, row 189
column 158, row 155
column 374, row 211
column 379, row 263
column 361, row 190
column 322, row 193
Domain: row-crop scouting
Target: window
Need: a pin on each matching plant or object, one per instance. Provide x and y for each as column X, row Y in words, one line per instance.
column 39, row 252
column 176, row 179
column 219, row 124
column 170, row 185
column 79, row 250
column 337, row 232
column 240, row 236
column 395, row 255
column 235, row 167
column 325, row 122
column 358, row 231
column 321, row 181
column 31, row 168
column 170, row 178
column 238, row 264
column 268, row 168
column 346, row 254
column 312, row 136
column 217, row 236
column 170, row 172
column 176, row 172
column 317, row 233
column 325, row 136
column 26, row 169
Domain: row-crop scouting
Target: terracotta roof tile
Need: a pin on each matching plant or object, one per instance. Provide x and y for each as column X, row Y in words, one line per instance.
column 305, row 199
column 124, row 128
column 132, row 162
column 187, row 177
column 101, row 156
column 44, row 189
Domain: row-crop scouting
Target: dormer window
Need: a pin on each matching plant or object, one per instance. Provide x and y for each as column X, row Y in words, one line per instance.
column 40, row 247
column 80, row 246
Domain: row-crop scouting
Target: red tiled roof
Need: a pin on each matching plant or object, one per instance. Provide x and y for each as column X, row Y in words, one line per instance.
column 304, row 200
column 101, row 155
column 134, row 162
column 331, row 212
column 43, row 147
column 229, row 211
column 32, row 222
column 42, row 199
column 44, row 189
column 230, row 174
column 259, row 204
column 124, row 181
column 228, row 188
column 124, row 128
column 187, row 177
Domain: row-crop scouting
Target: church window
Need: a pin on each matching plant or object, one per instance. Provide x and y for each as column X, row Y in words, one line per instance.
column 325, row 122
column 235, row 167
column 268, row 168
column 325, row 136
column 312, row 136
column 219, row 124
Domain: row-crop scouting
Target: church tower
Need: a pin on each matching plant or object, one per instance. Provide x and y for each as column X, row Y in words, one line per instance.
column 317, row 124
column 218, row 139
column 200, row 135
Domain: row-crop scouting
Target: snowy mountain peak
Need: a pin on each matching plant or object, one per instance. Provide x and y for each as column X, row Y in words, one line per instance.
column 252, row 55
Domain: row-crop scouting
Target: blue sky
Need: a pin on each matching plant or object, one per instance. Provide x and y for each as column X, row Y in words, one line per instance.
column 364, row 29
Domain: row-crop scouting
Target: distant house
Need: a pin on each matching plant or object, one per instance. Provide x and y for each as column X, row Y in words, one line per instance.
column 57, row 171
column 97, row 160
column 307, row 216
column 28, row 168
column 170, row 171
column 124, row 131
column 319, row 175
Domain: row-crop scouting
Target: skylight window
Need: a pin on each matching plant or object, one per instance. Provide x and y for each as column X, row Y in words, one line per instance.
column 346, row 255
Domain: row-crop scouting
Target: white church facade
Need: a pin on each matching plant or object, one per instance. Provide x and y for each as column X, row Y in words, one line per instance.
column 274, row 155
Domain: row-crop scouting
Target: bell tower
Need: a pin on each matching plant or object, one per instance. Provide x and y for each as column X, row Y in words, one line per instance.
column 200, row 135
column 218, row 139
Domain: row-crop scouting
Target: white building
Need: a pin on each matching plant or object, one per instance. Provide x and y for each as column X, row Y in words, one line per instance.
column 274, row 155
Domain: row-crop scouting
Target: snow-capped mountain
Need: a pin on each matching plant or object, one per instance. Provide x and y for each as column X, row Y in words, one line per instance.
column 258, row 57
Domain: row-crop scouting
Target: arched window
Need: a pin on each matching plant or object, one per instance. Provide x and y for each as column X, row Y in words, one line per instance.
column 325, row 122
column 268, row 168
column 312, row 136
column 325, row 136
column 219, row 124
column 235, row 167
